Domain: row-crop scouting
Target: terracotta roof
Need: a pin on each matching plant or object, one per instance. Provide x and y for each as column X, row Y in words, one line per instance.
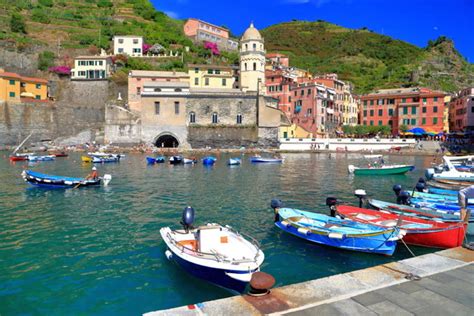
column 209, row 66
column 21, row 78
column 93, row 57
column 31, row 79
column 9, row 75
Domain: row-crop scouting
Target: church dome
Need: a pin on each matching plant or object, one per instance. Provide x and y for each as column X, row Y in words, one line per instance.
column 251, row 34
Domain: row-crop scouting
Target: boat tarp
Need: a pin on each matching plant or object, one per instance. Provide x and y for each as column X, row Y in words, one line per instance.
column 51, row 177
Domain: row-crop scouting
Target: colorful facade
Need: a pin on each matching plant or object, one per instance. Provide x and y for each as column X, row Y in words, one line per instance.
column 211, row 76
column 130, row 45
column 91, row 68
column 200, row 31
column 412, row 107
column 15, row 88
column 461, row 111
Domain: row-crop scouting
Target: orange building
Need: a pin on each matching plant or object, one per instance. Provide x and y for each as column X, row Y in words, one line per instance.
column 413, row 107
column 200, row 31
column 16, row 88
column 461, row 111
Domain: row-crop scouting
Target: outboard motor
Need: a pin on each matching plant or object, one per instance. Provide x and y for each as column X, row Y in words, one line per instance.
column 421, row 180
column 420, row 186
column 331, row 202
column 188, row 218
column 360, row 194
column 429, row 173
column 397, row 189
column 275, row 204
column 403, row 198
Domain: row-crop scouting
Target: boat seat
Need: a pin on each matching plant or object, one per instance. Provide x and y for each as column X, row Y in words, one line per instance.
column 190, row 244
column 366, row 217
column 388, row 223
column 329, row 225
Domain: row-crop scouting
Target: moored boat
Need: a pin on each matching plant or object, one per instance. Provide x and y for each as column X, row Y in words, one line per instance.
column 380, row 170
column 34, row 158
column 209, row 160
column 258, row 159
column 189, row 161
column 419, row 231
column 215, row 253
column 234, row 161
column 448, row 172
column 176, row 160
column 52, row 181
column 19, row 157
column 335, row 232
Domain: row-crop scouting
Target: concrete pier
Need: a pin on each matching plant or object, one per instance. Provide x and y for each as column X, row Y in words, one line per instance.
column 446, row 287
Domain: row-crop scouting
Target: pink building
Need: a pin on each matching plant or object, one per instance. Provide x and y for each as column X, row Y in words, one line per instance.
column 200, row 31
column 278, row 59
column 461, row 111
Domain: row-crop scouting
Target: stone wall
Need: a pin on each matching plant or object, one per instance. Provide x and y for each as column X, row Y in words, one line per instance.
column 222, row 137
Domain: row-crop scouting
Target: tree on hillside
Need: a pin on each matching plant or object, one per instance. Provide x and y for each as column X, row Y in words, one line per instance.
column 17, row 23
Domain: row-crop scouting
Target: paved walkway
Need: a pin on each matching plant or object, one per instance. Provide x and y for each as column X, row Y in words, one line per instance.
column 446, row 293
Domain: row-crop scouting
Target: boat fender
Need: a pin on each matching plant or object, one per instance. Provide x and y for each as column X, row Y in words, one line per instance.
column 397, row 188
column 420, row 186
column 188, row 218
column 168, row 254
column 336, row 235
column 304, row 231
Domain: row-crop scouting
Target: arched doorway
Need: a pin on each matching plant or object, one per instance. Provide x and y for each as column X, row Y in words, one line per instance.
column 166, row 141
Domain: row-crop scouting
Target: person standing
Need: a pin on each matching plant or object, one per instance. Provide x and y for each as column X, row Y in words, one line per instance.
column 463, row 196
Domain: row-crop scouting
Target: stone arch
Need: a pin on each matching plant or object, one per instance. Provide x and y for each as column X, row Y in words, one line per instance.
column 166, row 140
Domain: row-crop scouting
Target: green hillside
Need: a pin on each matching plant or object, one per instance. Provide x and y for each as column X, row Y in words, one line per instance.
column 81, row 23
column 367, row 59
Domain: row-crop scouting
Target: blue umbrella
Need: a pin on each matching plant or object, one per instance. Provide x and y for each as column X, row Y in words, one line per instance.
column 417, row 130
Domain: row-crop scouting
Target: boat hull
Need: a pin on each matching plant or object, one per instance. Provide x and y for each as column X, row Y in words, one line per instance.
column 382, row 171
column 377, row 244
column 265, row 160
column 176, row 160
column 216, row 276
column 52, row 182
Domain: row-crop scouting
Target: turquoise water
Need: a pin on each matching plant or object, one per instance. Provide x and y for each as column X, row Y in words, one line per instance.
column 98, row 250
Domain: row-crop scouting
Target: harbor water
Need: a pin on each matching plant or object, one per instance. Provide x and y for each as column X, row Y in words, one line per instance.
column 97, row 250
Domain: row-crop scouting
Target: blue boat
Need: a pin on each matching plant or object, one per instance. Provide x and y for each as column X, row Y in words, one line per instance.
column 215, row 253
column 442, row 191
column 435, row 197
column 176, row 160
column 234, row 161
column 41, row 158
column 335, row 232
column 51, row 181
column 258, row 159
column 209, row 160
column 153, row 160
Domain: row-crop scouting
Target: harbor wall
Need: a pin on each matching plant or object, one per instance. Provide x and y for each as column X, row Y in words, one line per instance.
column 343, row 144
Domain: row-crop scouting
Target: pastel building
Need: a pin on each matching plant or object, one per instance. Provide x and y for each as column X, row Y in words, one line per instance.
column 412, row 107
column 252, row 61
column 15, row 88
column 200, row 31
column 91, row 68
column 211, row 76
column 461, row 111
column 130, row 45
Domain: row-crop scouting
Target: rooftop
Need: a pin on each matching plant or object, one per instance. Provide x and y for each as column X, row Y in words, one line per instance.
column 213, row 25
column 209, row 66
column 93, row 57
column 131, row 36
column 21, row 78
column 152, row 73
column 160, row 84
column 400, row 91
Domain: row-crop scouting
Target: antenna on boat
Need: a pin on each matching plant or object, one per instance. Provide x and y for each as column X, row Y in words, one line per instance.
column 22, row 143
column 361, row 195
column 188, row 218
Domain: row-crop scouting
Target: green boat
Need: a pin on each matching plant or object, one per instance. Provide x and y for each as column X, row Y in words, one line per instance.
column 381, row 170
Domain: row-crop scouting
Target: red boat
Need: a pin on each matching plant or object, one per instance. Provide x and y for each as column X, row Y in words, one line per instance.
column 420, row 232
column 19, row 157
column 58, row 153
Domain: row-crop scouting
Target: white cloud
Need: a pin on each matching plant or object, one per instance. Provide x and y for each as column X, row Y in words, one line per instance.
column 172, row 14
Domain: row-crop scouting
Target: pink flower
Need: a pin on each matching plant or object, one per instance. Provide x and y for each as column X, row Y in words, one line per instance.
column 60, row 70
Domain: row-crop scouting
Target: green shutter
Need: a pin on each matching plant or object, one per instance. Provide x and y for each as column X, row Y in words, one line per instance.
column 413, row 110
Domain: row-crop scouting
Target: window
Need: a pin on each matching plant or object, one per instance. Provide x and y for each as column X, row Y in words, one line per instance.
column 254, row 66
column 214, row 118
column 424, row 100
column 404, row 100
column 192, row 117
column 435, row 99
column 157, row 89
column 390, row 112
column 254, row 46
column 423, row 109
column 196, row 81
column 157, row 107
column 38, row 86
column 365, row 113
column 380, row 112
column 302, row 92
column 365, row 102
column 390, row 101
column 120, row 50
column 380, row 101
column 435, row 109
column 435, row 120
column 405, row 110
column 413, row 110
column 309, row 91
column 176, row 107
column 472, row 109
column 380, row 123
column 206, row 81
column 371, row 112
column 217, row 71
column 416, row 99
column 12, row 82
column 423, row 121
column 139, row 90
column 246, row 47
column 371, row 102
column 137, row 50
column 239, row 118
column 196, row 70
column 245, row 64
column 38, row 97
column 371, row 123
column 296, row 93
column 413, row 122
column 224, row 81
column 390, row 122
column 135, row 41
column 210, row 71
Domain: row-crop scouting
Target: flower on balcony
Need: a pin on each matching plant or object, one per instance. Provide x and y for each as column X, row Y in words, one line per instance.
column 60, row 70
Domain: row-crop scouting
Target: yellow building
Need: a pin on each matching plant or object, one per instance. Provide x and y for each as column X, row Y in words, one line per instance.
column 447, row 100
column 211, row 76
column 16, row 88
column 294, row 131
column 350, row 109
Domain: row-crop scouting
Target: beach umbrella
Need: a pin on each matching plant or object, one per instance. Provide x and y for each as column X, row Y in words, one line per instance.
column 417, row 130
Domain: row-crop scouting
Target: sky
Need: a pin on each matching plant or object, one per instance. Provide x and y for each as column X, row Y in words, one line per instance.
column 414, row 21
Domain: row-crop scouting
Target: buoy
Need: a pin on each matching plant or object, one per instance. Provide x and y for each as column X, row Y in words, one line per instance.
column 261, row 283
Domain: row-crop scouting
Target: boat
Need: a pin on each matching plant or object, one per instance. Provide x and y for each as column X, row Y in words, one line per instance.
column 86, row 159
column 214, row 253
column 176, row 160
column 209, row 160
column 105, row 159
column 106, row 155
column 34, row 158
column 445, row 186
column 234, row 161
column 380, row 170
column 443, row 191
column 51, row 181
column 58, row 154
column 153, row 160
column 435, row 197
column 335, row 232
column 419, row 231
column 189, row 161
column 422, row 212
column 19, row 157
column 448, row 172
column 258, row 159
